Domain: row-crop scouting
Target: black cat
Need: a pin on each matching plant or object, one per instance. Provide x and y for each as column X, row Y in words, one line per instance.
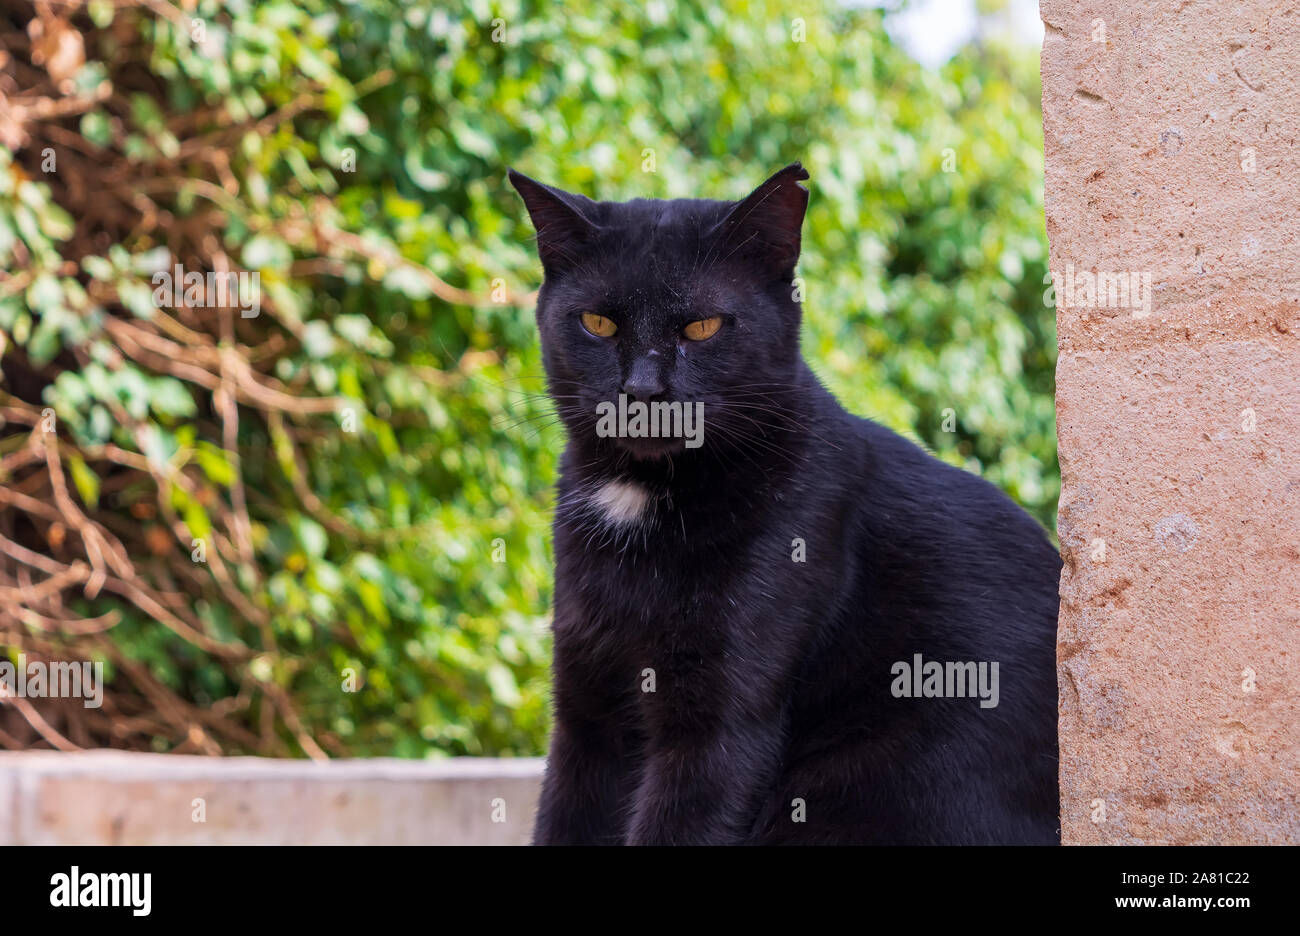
column 747, row 623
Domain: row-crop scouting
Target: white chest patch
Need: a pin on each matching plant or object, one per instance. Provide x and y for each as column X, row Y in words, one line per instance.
column 622, row 502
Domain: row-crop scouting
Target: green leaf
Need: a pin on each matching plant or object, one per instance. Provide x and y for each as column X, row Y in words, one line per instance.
column 45, row 294
column 85, row 481
column 312, row 536
column 215, row 464
column 196, row 519
column 409, row 282
column 169, row 397
column 265, row 252
column 501, row 683
column 96, row 128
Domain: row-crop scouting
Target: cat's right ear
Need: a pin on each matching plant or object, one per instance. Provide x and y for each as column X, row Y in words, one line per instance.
column 766, row 224
column 560, row 219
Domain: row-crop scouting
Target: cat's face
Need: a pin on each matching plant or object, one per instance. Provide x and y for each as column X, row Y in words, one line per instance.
column 687, row 301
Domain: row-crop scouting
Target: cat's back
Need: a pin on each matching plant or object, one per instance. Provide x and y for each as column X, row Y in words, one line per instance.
column 936, row 511
column 938, row 552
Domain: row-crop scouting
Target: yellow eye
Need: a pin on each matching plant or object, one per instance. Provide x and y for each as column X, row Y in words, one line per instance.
column 704, row 328
column 598, row 325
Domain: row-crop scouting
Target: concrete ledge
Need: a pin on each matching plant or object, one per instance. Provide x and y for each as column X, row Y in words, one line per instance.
column 122, row 798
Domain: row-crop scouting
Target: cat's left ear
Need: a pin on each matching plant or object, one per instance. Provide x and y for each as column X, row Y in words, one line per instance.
column 766, row 224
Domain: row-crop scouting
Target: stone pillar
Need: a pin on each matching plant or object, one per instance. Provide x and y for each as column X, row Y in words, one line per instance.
column 1172, row 133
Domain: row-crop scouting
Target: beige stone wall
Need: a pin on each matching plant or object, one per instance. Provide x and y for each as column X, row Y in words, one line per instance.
column 121, row 798
column 1173, row 151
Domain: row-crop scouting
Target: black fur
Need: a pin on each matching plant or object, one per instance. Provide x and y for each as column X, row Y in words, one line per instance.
column 772, row 677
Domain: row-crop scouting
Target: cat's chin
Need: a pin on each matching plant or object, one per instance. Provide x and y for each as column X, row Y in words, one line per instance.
column 652, row 449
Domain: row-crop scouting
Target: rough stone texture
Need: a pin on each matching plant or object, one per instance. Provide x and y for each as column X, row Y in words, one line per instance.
column 1179, row 423
column 120, row 798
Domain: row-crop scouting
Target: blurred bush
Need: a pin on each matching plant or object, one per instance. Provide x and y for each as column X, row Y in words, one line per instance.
column 324, row 529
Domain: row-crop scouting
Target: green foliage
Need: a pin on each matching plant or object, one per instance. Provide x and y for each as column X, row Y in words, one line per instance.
column 353, row 154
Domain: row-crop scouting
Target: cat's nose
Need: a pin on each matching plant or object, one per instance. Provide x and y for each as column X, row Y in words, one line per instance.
column 643, row 381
